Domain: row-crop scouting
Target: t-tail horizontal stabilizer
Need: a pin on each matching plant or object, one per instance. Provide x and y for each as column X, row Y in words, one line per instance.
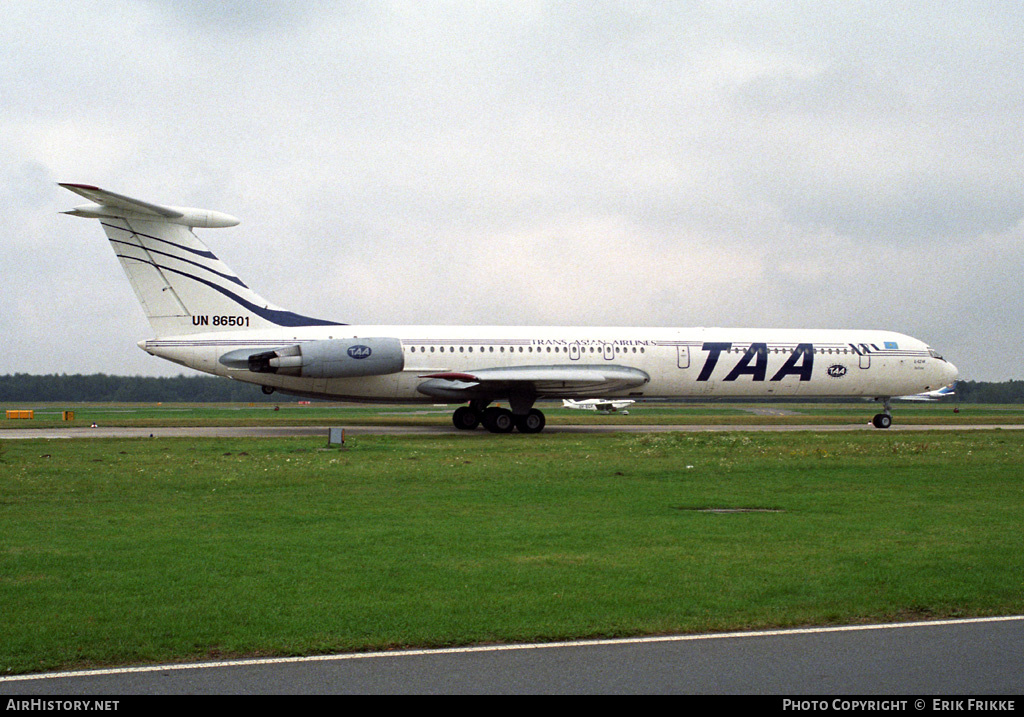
column 111, row 204
column 182, row 286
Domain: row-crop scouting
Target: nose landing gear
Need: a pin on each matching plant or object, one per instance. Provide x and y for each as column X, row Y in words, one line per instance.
column 884, row 419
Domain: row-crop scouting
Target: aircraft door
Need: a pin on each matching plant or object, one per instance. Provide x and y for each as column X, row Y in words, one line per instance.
column 865, row 356
column 574, row 351
column 609, row 352
column 683, row 356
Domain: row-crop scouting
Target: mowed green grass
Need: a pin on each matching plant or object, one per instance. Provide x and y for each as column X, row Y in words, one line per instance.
column 135, row 551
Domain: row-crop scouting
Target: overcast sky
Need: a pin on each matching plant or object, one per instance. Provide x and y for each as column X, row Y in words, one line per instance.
column 798, row 164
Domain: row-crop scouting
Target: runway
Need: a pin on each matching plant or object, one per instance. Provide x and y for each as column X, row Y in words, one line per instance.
column 948, row 657
column 356, row 430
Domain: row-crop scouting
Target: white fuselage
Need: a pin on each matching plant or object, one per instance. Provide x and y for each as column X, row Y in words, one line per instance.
column 681, row 362
column 208, row 319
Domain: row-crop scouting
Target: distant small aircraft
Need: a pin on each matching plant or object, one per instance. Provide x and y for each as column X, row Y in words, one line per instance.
column 601, row 405
column 931, row 395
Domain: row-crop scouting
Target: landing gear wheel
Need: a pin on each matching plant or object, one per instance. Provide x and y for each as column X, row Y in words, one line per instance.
column 532, row 422
column 465, row 418
column 498, row 420
column 882, row 420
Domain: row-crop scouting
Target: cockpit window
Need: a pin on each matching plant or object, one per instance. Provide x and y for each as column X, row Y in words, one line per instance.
column 935, row 354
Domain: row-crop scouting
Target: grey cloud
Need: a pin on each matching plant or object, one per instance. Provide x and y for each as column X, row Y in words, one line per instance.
column 699, row 164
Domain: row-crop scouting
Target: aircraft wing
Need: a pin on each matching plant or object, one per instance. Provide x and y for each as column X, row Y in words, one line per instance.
column 613, row 405
column 551, row 381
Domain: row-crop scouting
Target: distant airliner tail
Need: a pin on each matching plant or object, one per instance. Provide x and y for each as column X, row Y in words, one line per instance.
column 182, row 286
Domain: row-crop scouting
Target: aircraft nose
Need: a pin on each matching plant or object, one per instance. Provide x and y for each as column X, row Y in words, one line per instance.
column 950, row 372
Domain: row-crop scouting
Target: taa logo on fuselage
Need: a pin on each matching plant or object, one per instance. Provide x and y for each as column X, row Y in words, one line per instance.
column 836, row 371
column 359, row 352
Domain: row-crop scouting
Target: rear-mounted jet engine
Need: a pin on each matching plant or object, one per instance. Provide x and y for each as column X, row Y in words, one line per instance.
column 330, row 358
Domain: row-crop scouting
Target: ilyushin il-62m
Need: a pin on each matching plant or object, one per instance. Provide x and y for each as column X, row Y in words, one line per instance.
column 208, row 319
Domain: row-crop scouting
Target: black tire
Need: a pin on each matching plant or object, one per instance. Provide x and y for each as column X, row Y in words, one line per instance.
column 532, row 422
column 498, row 420
column 465, row 418
column 882, row 420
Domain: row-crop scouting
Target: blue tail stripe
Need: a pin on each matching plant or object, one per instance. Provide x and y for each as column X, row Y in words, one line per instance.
column 229, row 277
column 207, row 254
column 279, row 317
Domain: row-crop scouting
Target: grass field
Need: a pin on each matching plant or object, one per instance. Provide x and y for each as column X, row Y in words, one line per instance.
column 144, row 550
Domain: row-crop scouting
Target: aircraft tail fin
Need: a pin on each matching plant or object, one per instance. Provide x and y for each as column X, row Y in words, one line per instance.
column 182, row 286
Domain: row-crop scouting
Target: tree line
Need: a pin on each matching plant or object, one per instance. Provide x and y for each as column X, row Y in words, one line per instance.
column 101, row 387
column 988, row 392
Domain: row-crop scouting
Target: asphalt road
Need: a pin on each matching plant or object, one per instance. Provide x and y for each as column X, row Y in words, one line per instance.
column 919, row 660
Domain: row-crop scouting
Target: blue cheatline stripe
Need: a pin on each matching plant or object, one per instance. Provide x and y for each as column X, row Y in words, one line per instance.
column 127, row 228
column 229, row 277
column 279, row 317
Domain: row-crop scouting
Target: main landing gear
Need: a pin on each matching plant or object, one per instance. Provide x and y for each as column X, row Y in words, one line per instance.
column 497, row 420
column 884, row 419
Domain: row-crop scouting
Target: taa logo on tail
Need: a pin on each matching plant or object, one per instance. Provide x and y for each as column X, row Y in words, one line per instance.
column 359, row 352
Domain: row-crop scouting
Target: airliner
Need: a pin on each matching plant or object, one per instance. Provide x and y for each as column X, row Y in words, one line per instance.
column 206, row 318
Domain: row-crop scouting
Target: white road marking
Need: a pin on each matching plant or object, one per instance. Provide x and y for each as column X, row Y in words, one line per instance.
column 500, row 648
